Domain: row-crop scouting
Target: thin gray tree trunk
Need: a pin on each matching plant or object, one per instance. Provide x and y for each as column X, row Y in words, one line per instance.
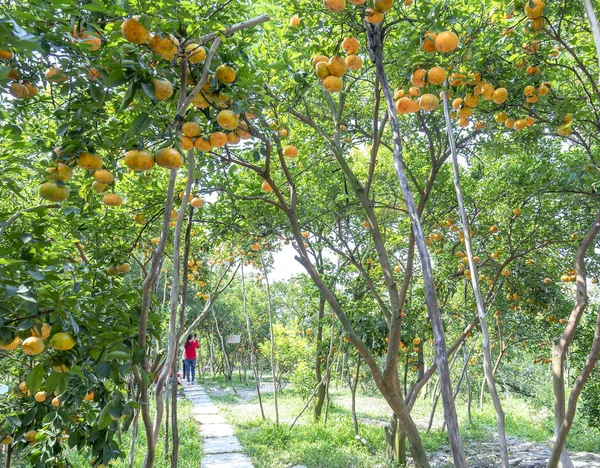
column 134, row 433
column 375, row 38
column 563, row 419
column 253, row 363
column 591, row 14
column 485, row 337
column 272, row 357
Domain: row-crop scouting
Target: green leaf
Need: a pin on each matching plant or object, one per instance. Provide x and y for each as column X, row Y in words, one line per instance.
column 116, row 78
column 60, row 131
column 52, row 381
column 129, row 95
column 141, row 122
column 95, row 7
column 104, row 419
column 35, row 378
column 63, row 384
column 149, row 89
column 97, row 93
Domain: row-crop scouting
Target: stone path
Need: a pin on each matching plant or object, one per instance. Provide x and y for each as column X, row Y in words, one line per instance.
column 522, row 455
column 221, row 448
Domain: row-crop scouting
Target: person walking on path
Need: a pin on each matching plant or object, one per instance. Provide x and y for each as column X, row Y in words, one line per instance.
column 189, row 363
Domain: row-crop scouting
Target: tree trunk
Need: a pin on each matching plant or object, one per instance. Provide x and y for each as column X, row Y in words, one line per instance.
column 253, row 362
column 272, row 337
column 353, row 387
column 328, row 369
column 148, row 286
column 562, row 419
column 469, row 396
column 591, row 14
column 8, row 456
column 173, row 339
column 167, row 407
column 387, row 385
column 485, row 337
column 226, row 365
column 462, row 375
column 134, row 432
column 210, row 351
column 174, row 386
column 395, row 442
column 318, row 363
column 374, row 35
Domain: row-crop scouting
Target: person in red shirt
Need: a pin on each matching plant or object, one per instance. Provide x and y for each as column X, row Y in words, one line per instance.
column 189, row 364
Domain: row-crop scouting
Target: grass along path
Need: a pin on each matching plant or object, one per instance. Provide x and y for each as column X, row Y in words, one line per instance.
column 333, row 445
column 190, row 449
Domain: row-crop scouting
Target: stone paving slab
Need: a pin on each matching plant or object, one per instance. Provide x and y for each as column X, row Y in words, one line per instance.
column 222, row 449
column 201, row 401
column 210, row 419
column 226, row 460
column 197, row 410
column 227, row 444
column 216, row 430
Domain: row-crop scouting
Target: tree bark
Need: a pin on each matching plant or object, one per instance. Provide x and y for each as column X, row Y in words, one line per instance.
column 389, row 389
column 272, row 356
column 173, row 339
column 374, row 35
column 563, row 421
column 328, row 369
column 134, row 432
column 253, row 362
column 353, row 387
column 485, row 337
column 591, row 14
column 318, row 363
column 142, row 376
column 174, row 386
column 226, row 365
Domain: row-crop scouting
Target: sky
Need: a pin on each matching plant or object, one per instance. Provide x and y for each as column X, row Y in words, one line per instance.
column 285, row 265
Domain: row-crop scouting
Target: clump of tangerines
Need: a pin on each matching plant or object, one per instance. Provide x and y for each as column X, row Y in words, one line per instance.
column 234, row 131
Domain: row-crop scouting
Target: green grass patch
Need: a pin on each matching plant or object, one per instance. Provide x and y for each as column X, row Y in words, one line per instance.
column 190, row 448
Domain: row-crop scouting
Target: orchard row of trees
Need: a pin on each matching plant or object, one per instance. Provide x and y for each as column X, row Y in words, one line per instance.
column 445, row 155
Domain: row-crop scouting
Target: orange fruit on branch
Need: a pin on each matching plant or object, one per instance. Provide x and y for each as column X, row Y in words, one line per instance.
column 429, row 102
column 62, row 341
column 333, row 84
column 227, row 120
column 428, row 42
column 195, row 53
column 51, row 191
column 89, row 161
column 33, row 346
column 290, row 151
column 163, row 89
column 191, row 129
column 536, row 11
column 418, row 78
column 350, row 45
column 169, row 158
column 446, row 41
column 225, row 74
column 334, row 6
column 139, row 160
column 18, row 91
column 11, row 344
column 134, row 31
column 112, row 199
column 102, row 176
column 217, row 139
column 436, row 75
